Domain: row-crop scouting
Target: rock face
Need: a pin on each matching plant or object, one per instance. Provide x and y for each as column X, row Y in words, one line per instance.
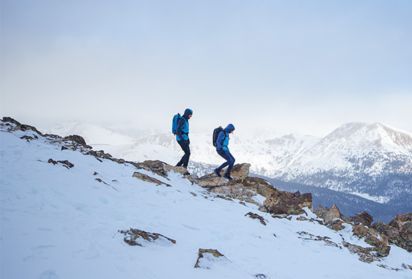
column 132, row 237
column 280, row 202
column 206, row 257
column 398, row 231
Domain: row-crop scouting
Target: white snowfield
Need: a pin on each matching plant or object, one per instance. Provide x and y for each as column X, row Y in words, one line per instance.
column 62, row 223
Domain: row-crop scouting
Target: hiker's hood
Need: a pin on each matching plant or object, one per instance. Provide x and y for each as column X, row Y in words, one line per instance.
column 229, row 128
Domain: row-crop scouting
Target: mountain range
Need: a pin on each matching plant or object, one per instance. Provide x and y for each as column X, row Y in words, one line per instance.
column 369, row 160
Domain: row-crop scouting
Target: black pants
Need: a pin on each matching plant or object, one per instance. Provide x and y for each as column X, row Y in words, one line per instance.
column 184, row 144
column 230, row 161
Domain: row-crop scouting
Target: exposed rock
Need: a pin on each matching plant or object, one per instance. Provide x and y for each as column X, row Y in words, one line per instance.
column 239, row 171
column 149, row 179
column 308, row 236
column 260, row 276
column 19, row 126
column 210, row 181
column 280, row 202
column 132, row 237
column 235, row 191
column 77, row 139
column 372, row 237
column 336, row 225
column 256, row 216
column 64, row 163
column 101, row 181
column 328, row 214
column 159, row 167
column 29, row 138
column 207, row 256
column 362, row 218
column 365, row 254
column 398, row 231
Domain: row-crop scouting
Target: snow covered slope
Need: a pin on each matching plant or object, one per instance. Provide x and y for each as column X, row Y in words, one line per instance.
column 63, row 221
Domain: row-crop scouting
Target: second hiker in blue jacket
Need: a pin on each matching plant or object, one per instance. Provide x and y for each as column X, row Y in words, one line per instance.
column 222, row 148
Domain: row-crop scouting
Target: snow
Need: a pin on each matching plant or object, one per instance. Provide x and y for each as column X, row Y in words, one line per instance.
column 62, row 223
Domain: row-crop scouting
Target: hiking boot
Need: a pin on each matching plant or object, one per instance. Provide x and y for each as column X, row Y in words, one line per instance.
column 228, row 177
column 217, row 172
column 186, row 173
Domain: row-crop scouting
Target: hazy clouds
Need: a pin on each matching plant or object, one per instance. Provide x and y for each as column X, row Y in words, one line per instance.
column 260, row 64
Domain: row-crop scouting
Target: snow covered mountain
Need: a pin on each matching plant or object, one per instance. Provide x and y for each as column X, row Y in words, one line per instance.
column 369, row 160
column 67, row 213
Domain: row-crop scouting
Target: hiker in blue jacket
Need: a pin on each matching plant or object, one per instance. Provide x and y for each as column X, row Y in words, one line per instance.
column 222, row 149
column 182, row 137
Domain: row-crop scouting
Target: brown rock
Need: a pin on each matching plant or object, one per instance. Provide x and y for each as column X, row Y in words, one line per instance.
column 328, row 214
column 77, row 139
column 204, row 253
column 365, row 254
column 374, row 238
column 158, row 167
column 239, row 172
column 362, row 218
column 133, row 235
column 399, row 231
column 149, row 179
column 280, row 202
column 64, row 163
column 256, row 216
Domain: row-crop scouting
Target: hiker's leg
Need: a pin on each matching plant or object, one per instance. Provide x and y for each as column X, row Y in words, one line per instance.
column 231, row 162
column 180, row 163
column 224, row 156
column 186, row 149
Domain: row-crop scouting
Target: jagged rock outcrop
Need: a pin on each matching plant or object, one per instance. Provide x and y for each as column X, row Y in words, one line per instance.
column 206, row 257
column 132, row 237
column 332, row 217
column 147, row 178
column 398, row 231
column 363, row 218
column 280, row 202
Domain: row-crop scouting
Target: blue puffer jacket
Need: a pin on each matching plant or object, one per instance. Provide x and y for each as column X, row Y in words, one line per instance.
column 222, row 142
column 182, row 131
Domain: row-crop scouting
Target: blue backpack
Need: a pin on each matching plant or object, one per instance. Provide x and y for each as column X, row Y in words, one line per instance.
column 175, row 121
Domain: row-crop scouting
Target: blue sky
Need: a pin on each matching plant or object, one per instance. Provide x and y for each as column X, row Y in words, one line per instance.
column 298, row 66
